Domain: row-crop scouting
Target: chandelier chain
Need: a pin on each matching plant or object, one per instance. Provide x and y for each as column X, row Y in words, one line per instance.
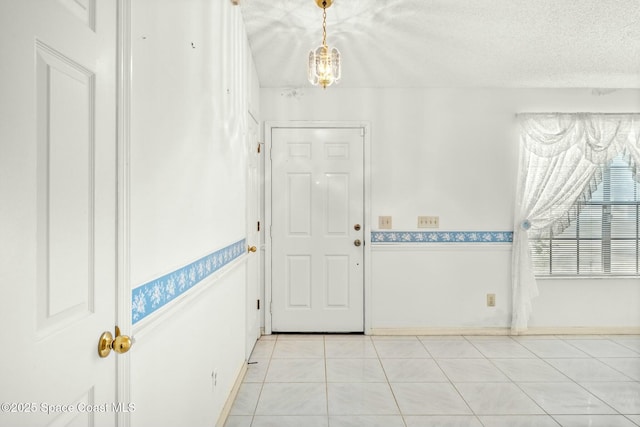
column 324, row 26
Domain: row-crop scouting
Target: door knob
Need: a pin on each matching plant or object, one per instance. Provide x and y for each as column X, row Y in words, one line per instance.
column 120, row 344
column 357, row 242
column 252, row 249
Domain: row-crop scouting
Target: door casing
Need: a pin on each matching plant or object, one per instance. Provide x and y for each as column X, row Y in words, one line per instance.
column 366, row 128
column 123, row 215
column 253, row 235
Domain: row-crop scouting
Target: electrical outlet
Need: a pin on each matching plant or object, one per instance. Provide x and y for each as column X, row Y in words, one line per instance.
column 491, row 300
column 428, row 221
column 384, row 222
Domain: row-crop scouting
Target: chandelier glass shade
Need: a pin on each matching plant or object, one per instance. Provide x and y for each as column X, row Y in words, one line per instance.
column 324, row 61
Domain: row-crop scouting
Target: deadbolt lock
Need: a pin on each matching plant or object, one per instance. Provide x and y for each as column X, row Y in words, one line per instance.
column 356, row 227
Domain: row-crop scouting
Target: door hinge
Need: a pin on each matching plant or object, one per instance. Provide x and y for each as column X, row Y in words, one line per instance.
column 258, row 225
column 258, row 148
column 258, row 304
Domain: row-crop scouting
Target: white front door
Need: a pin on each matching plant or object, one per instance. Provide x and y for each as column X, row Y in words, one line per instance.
column 317, row 235
column 254, row 306
column 58, row 211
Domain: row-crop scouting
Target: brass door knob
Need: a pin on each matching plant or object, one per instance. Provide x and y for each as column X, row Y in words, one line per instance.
column 252, row 249
column 357, row 242
column 120, row 344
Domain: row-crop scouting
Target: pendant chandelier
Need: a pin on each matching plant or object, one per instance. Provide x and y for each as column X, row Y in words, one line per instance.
column 324, row 61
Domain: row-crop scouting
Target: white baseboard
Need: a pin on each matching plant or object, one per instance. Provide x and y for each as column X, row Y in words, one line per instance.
column 222, row 419
column 561, row 330
column 440, row 331
column 583, row 330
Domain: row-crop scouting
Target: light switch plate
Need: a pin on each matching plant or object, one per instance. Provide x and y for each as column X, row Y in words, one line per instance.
column 384, row 222
column 428, row 221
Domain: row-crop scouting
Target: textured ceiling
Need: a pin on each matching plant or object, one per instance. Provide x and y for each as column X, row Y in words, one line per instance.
column 452, row 43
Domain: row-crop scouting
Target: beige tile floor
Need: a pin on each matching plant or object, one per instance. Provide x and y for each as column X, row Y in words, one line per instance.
column 447, row 381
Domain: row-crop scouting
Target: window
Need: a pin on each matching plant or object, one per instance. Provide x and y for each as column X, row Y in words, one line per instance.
column 602, row 238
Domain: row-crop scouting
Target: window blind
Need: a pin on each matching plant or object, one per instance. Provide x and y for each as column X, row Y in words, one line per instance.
column 603, row 235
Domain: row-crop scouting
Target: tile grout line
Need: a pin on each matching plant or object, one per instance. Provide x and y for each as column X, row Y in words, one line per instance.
column 536, row 357
column 584, row 388
column 635, row 350
column 450, row 382
column 264, row 380
column 631, row 379
column 326, row 376
column 384, row 371
column 571, row 380
column 464, row 337
column 515, row 383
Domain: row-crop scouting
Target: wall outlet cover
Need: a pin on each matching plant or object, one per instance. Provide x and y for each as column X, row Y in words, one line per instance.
column 491, row 300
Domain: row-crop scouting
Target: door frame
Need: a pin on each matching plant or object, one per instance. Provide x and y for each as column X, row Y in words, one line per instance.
column 269, row 126
column 254, row 144
column 123, row 190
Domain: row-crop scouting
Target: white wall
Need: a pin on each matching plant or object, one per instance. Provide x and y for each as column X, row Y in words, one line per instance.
column 190, row 100
column 173, row 362
column 453, row 153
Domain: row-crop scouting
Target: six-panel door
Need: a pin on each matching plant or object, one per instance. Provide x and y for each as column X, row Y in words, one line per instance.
column 58, row 213
column 317, row 217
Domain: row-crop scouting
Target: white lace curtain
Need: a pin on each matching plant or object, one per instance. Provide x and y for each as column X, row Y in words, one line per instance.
column 561, row 159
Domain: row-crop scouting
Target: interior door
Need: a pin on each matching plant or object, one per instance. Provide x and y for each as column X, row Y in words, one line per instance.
column 254, row 306
column 317, row 232
column 58, row 211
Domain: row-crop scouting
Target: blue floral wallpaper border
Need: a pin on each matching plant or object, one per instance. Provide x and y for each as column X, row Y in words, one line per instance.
column 441, row 236
column 149, row 297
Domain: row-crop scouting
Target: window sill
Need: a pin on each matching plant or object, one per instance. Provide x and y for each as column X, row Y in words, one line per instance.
column 588, row 277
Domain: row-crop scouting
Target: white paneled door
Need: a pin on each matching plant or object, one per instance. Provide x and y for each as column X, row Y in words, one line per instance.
column 317, row 234
column 58, row 211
